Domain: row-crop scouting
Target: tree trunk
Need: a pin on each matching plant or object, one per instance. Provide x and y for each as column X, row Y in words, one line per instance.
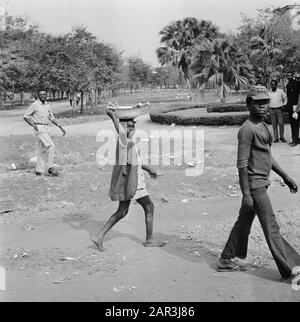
column 99, row 93
column 222, row 92
column 22, row 95
column 267, row 78
column 81, row 107
column 1, row 98
column 189, row 88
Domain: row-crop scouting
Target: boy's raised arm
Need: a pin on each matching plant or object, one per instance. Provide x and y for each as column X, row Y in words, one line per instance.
column 119, row 128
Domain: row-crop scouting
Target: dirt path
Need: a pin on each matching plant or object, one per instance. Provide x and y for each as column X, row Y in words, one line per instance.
column 48, row 256
column 128, row 271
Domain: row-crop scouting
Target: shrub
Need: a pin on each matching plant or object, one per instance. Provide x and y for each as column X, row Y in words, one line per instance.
column 211, row 119
column 207, row 114
column 227, row 108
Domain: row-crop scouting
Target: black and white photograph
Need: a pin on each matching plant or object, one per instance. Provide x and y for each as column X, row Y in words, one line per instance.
column 149, row 153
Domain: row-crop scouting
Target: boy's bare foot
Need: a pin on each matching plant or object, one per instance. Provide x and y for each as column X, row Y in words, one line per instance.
column 153, row 243
column 98, row 242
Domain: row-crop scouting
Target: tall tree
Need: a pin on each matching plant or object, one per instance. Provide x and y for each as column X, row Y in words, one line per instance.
column 179, row 38
column 139, row 72
column 266, row 46
column 220, row 64
column 15, row 39
column 274, row 45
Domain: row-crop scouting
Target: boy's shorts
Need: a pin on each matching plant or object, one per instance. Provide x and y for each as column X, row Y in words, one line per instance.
column 141, row 190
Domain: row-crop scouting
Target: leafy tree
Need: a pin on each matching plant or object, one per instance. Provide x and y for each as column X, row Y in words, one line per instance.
column 273, row 45
column 74, row 62
column 167, row 76
column 266, row 46
column 14, row 40
column 220, row 64
column 139, row 73
column 179, row 38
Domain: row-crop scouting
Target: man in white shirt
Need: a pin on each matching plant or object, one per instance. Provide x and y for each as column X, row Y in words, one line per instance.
column 39, row 115
column 278, row 100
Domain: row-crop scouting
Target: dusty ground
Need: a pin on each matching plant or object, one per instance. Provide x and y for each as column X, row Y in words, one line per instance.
column 45, row 246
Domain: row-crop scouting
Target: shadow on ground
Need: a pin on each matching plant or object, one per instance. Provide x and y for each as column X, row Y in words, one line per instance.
column 175, row 245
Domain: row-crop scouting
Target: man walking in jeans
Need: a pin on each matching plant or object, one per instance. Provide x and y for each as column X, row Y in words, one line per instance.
column 278, row 100
column 255, row 163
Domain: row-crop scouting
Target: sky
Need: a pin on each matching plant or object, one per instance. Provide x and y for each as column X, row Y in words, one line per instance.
column 133, row 25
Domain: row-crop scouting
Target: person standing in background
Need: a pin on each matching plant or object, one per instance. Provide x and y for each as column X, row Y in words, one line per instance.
column 39, row 116
column 278, row 100
column 293, row 96
column 78, row 98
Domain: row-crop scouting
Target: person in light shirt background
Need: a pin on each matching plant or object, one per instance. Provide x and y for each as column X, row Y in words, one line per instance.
column 39, row 115
column 278, row 101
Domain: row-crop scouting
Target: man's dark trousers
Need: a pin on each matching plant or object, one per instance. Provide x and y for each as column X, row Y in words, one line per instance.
column 284, row 254
column 294, row 124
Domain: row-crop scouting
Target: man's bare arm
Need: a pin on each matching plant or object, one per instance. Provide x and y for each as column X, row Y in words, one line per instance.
column 58, row 125
column 29, row 121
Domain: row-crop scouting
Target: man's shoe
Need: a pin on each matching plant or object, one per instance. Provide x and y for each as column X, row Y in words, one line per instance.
column 228, row 265
column 293, row 279
column 283, row 140
column 38, row 173
column 241, row 262
column 293, row 144
column 276, row 141
column 53, row 172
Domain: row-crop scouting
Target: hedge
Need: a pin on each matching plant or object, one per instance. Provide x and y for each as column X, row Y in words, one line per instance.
column 212, row 119
column 227, row 108
column 213, row 115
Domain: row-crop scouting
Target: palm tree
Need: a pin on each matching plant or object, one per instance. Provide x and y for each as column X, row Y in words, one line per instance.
column 178, row 39
column 265, row 46
column 220, row 64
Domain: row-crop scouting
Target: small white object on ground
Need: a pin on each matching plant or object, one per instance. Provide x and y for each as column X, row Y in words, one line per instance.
column 68, row 259
column 33, row 160
column 13, row 166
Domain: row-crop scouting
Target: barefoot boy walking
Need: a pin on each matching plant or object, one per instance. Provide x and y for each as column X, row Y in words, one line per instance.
column 128, row 182
column 255, row 163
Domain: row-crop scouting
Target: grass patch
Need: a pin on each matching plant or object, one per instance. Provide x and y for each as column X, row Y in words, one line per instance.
column 100, row 110
column 68, row 151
